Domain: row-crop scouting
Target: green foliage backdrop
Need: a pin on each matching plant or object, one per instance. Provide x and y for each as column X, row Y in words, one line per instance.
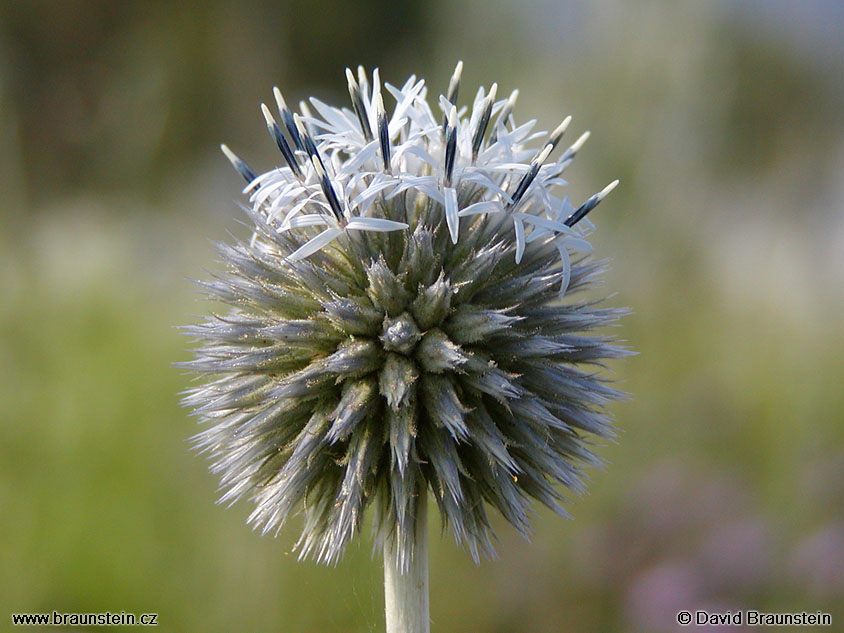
column 726, row 488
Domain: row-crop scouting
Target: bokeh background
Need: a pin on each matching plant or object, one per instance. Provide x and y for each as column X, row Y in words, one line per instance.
column 722, row 119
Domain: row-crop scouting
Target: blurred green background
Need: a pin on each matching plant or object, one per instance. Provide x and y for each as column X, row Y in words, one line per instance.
column 723, row 121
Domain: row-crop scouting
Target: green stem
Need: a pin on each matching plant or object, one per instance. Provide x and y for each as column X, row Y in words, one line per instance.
column 406, row 595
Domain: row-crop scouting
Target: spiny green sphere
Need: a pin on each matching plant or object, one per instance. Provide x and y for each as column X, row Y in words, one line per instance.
column 402, row 320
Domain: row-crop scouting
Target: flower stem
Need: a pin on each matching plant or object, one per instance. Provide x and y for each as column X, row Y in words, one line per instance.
column 406, row 595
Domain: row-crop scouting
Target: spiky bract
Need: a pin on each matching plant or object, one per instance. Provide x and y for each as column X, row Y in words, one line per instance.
column 367, row 363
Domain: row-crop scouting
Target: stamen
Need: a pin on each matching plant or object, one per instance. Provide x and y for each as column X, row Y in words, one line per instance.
column 529, row 177
column 590, row 204
column 450, row 145
column 305, row 109
column 319, row 168
column 275, row 132
column 363, row 81
column 557, row 134
column 570, row 153
column 358, row 105
column 505, row 113
column 241, row 167
column 287, row 119
column 383, row 130
column 327, row 189
column 478, row 139
column 453, row 90
column 454, row 83
column 307, row 141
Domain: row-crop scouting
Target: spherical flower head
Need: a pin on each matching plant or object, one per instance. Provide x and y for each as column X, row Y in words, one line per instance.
column 403, row 320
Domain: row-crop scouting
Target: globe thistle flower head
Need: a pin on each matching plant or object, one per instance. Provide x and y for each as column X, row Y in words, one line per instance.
column 404, row 319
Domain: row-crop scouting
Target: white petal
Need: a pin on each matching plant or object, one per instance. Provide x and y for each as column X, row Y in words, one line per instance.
column 283, row 190
column 303, row 220
column 361, row 156
column 366, row 197
column 537, row 234
column 555, row 182
column 426, row 184
column 432, row 191
column 264, row 180
column 472, row 174
column 451, row 217
column 420, row 113
column 519, row 168
column 379, row 225
column 333, row 116
column 446, row 105
column 421, row 153
column 517, row 136
column 404, row 100
column 549, row 225
column 481, row 207
column 585, row 225
column 520, row 238
column 562, row 209
column 566, row 272
column 576, row 244
column 312, row 246
column 296, row 207
column 535, row 136
column 376, row 89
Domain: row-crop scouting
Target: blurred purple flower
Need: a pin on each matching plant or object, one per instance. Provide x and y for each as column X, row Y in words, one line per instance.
column 658, row 594
column 737, row 555
column 818, row 561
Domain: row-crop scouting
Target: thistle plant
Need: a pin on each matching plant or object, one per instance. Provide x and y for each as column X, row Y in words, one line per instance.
column 402, row 323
